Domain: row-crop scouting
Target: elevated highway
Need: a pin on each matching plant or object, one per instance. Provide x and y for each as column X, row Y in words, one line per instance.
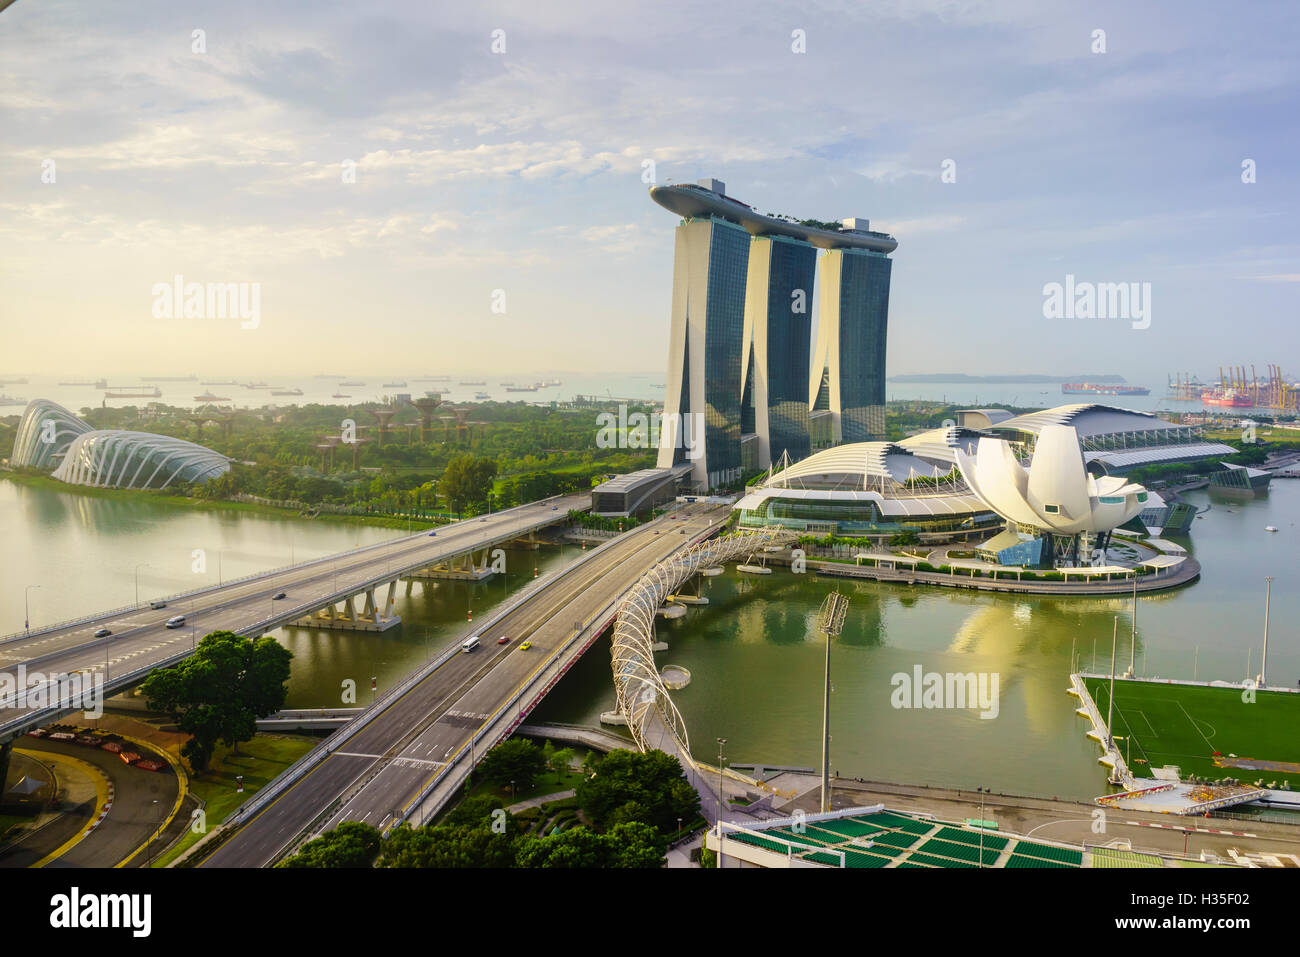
column 406, row 755
column 141, row 641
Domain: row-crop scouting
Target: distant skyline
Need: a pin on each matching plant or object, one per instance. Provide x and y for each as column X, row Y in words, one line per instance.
column 522, row 171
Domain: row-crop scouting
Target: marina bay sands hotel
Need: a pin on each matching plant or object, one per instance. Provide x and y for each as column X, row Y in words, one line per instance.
column 741, row 340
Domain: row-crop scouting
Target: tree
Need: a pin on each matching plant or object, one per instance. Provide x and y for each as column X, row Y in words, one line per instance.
column 560, row 760
column 627, row 783
column 446, row 845
column 518, row 760
column 467, row 481
column 627, row 845
column 351, row 844
column 474, row 811
column 219, row 692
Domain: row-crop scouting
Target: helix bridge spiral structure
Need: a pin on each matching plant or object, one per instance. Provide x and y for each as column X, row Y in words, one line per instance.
column 642, row 697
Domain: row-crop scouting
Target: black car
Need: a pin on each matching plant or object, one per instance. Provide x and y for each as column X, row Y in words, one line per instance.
column 103, row 633
column 277, row 596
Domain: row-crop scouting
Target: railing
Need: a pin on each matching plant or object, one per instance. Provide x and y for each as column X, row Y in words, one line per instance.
column 180, row 596
column 307, row 762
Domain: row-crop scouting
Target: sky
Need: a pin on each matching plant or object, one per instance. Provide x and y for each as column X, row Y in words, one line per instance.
column 498, row 218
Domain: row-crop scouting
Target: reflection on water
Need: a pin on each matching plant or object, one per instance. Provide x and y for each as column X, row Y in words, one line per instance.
column 754, row 651
column 756, row 662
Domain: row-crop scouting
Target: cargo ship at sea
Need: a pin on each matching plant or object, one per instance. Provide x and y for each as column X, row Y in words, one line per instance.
column 1226, row 398
column 1092, row 388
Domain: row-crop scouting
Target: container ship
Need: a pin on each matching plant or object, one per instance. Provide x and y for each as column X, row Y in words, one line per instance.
column 1227, row 398
column 1089, row 388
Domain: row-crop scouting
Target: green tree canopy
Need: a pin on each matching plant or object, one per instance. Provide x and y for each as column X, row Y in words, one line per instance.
column 219, row 692
column 517, row 759
column 351, row 844
column 629, row 786
column 467, row 481
column 448, row 845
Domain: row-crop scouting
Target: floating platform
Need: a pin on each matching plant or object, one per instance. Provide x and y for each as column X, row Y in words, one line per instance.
column 675, row 677
column 672, row 611
column 754, row 569
column 688, row 599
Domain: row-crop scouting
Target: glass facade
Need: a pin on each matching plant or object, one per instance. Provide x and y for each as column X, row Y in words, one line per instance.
column 723, row 335
column 864, row 320
column 858, row 517
column 789, row 339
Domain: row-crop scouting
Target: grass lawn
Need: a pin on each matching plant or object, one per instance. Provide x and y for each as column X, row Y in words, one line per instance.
column 259, row 761
column 547, row 783
column 1186, row 724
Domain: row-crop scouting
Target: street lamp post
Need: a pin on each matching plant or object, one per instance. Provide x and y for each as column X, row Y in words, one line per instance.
column 722, row 743
column 831, row 623
column 137, row 581
column 27, row 610
column 1263, row 664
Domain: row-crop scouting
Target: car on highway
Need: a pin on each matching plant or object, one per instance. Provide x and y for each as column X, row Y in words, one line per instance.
column 175, row 621
column 469, row 644
column 102, row 632
column 525, row 646
column 277, row 596
column 502, row 640
column 555, row 508
column 158, row 603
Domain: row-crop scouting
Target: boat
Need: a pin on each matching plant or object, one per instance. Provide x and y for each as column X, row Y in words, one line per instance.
column 97, row 384
column 1091, row 388
column 10, row 400
column 352, row 385
column 1270, row 528
column 522, row 388
column 394, row 385
column 1226, row 398
column 340, row 395
column 286, row 392
column 256, row 385
column 222, row 382
column 153, row 393
column 169, row 378
column 473, row 383
column 503, row 384
column 209, row 397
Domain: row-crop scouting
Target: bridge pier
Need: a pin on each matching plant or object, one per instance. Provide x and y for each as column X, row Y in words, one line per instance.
column 371, row 617
column 462, row 567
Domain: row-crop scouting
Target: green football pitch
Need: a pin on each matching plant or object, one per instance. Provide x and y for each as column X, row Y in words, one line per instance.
column 1186, row 724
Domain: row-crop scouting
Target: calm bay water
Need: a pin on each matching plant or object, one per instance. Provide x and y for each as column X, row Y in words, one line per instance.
column 754, row 653
column 756, row 661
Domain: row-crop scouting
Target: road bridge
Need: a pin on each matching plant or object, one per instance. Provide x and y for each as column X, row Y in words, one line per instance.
column 410, row 752
column 141, row 641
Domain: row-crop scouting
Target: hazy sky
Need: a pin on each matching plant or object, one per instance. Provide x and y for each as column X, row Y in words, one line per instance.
column 522, row 171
